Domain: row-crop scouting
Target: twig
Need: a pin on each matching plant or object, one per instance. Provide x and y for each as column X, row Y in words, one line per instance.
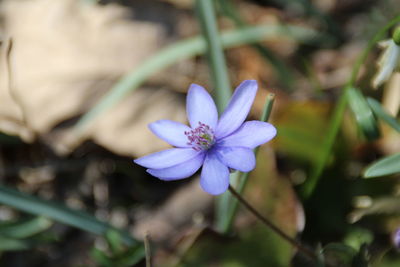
column 147, row 249
column 268, row 223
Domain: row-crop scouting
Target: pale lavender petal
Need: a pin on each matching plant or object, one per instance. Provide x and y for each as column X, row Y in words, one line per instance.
column 171, row 131
column 214, row 175
column 166, row 158
column 200, row 107
column 179, row 171
column 251, row 134
column 238, row 108
column 238, row 158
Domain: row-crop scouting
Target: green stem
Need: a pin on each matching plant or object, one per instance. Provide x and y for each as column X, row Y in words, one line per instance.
column 218, row 69
column 219, row 74
column 225, row 224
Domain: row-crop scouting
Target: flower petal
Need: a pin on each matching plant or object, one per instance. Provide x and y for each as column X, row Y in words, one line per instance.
column 214, row 175
column 171, row 131
column 166, row 158
column 251, row 134
column 179, row 171
column 200, row 107
column 238, row 158
column 238, row 108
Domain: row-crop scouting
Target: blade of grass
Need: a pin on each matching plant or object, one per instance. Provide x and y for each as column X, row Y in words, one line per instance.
column 225, row 224
column 59, row 213
column 186, row 49
column 337, row 117
column 219, row 74
column 218, row 69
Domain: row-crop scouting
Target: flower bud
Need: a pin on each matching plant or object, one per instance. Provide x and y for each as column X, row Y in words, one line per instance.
column 396, row 35
column 388, row 61
column 396, row 238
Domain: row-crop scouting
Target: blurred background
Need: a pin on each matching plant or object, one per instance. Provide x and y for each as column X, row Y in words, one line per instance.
column 64, row 152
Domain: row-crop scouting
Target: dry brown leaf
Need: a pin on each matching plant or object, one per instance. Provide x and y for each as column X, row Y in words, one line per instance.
column 66, row 54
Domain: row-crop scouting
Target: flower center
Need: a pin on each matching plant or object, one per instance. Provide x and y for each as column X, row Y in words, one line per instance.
column 201, row 138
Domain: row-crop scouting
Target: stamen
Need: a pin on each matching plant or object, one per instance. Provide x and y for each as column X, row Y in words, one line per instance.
column 201, row 138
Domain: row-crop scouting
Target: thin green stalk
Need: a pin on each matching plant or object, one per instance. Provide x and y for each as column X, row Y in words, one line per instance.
column 225, row 224
column 147, row 250
column 219, row 74
column 183, row 50
column 217, row 64
column 340, row 108
column 333, row 130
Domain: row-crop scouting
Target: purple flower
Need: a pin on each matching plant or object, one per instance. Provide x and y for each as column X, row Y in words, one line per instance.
column 396, row 238
column 217, row 145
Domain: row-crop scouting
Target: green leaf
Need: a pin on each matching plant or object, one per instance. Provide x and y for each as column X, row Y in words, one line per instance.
column 11, row 244
column 114, row 241
column 382, row 114
column 100, row 257
column 131, row 257
column 128, row 257
column 340, row 254
column 363, row 114
column 24, row 229
column 357, row 237
column 385, row 166
column 58, row 212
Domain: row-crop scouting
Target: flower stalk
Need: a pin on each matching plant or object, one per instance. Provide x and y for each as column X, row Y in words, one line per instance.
column 307, row 252
column 146, row 242
column 226, row 223
column 218, row 69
